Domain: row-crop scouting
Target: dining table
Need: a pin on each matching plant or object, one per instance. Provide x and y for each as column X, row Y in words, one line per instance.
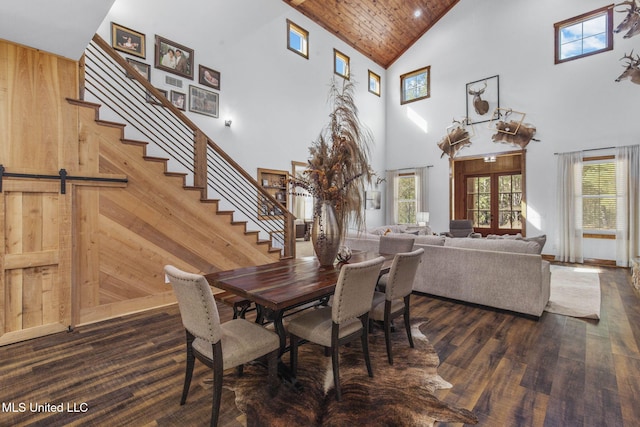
column 279, row 287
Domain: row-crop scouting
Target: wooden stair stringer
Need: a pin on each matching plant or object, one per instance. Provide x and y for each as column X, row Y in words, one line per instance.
column 154, row 220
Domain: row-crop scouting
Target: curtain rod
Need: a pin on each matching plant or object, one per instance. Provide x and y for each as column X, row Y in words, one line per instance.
column 584, row 151
column 404, row 169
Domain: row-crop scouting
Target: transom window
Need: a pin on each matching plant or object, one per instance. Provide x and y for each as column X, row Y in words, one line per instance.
column 599, row 195
column 297, row 39
column 415, row 85
column 584, row 35
column 340, row 64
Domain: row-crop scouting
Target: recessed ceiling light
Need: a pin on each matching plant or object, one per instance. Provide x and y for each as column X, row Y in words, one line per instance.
column 417, row 13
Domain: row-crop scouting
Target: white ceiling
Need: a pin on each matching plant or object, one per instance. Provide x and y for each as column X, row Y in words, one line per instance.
column 61, row 27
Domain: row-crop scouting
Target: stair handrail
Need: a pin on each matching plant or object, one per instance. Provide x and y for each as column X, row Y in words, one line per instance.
column 200, row 160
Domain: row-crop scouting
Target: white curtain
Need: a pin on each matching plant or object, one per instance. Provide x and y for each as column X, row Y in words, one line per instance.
column 422, row 188
column 569, row 202
column 391, row 207
column 627, row 204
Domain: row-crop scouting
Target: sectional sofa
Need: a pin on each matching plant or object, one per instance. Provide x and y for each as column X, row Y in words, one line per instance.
column 507, row 274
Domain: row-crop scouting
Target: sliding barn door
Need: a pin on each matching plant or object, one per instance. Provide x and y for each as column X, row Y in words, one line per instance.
column 35, row 287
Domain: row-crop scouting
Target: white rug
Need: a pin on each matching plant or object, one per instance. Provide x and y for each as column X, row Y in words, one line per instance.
column 575, row 292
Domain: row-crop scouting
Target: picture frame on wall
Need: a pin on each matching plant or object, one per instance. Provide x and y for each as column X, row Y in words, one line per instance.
column 482, row 98
column 140, row 67
column 173, row 57
column 153, row 100
column 127, row 40
column 203, row 101
column 179, row 100
column 372, row 200
column 209, row 77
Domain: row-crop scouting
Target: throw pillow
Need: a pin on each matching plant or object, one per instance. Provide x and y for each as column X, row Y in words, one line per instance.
column 540, row 240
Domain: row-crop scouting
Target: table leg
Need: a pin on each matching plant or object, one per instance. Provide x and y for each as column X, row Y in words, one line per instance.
column 283, row 369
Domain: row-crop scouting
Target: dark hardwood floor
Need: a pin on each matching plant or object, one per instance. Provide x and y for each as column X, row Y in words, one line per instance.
column 509, row 370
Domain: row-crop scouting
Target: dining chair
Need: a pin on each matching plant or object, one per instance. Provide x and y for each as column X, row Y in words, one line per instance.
column 395, row 301
column 219, row 346
column 345, row 321
column 393, row 245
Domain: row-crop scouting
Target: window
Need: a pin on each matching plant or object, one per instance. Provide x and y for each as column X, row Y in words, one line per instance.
column 297, row 39
column 374, row 83
column 340, row 64
column 407, row 201
column 599, row 195
column 584, row 35
column 415, row 85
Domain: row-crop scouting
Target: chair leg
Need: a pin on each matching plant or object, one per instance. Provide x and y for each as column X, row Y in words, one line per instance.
column 364, row 337
column 293, row 354
column 407, row 320
column 217, row 382
column 335, row 359
column 387, row 330
column 188, row 374
column 273, row 372
column 335, row 362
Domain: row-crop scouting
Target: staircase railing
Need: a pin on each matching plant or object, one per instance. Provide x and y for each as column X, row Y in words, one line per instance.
column 125, row 91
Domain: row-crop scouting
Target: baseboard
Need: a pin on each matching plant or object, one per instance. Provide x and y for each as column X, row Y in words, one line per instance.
column 587, row 261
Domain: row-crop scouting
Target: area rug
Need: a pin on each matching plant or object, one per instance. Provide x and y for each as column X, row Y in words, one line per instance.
column 398, row 395
column 575, row 292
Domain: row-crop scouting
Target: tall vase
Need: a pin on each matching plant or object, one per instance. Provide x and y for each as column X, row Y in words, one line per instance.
column 325, row 234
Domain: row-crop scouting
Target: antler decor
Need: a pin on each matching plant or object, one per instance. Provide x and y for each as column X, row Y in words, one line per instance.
column 512, row 131
column 632, row 69
column 631, row 22
column 457, row 137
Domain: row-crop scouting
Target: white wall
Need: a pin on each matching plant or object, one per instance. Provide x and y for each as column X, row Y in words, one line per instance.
column 276, row 99
column 576, row 105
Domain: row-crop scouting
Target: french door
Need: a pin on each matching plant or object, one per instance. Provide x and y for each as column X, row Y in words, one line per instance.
column 494, row 203
column 491, row 194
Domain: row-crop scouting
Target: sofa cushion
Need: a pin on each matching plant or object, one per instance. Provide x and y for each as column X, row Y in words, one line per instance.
column 498, row 245
column 430, row 240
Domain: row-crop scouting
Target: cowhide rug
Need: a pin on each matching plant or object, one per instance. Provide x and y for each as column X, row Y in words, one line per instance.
column 398, row 395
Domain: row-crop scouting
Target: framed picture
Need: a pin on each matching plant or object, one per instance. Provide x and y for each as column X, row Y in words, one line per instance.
column 153, row 100
column 174, row 58
column 372, row 199
column 127, row 40
column 140, row 67
column 179, row 100
column 374, row 83
column 483, row 98
column 209, row 77
column 203, row 101
column 415, row 85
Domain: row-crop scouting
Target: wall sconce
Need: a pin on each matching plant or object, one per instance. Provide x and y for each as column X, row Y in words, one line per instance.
column 227, row 123
column 490, row 159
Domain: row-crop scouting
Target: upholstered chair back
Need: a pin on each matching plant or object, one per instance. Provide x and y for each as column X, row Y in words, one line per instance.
column 395, row 244
column 354, row 290
column 403, row 272
column 460, row 227
column 197, row 306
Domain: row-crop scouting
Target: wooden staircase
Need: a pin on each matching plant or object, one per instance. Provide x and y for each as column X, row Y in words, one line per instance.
column 128, row 234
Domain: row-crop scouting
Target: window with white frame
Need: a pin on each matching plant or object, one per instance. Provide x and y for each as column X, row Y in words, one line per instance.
column 584, row 35
column 599, row 195
column 407, row 199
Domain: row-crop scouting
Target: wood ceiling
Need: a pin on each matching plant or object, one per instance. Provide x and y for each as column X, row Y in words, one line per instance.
column 382, row 30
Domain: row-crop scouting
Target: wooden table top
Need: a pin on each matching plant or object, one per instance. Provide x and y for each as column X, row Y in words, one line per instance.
column 287, row 283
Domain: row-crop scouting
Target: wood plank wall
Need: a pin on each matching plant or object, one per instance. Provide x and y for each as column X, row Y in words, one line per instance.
column 98, row 250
